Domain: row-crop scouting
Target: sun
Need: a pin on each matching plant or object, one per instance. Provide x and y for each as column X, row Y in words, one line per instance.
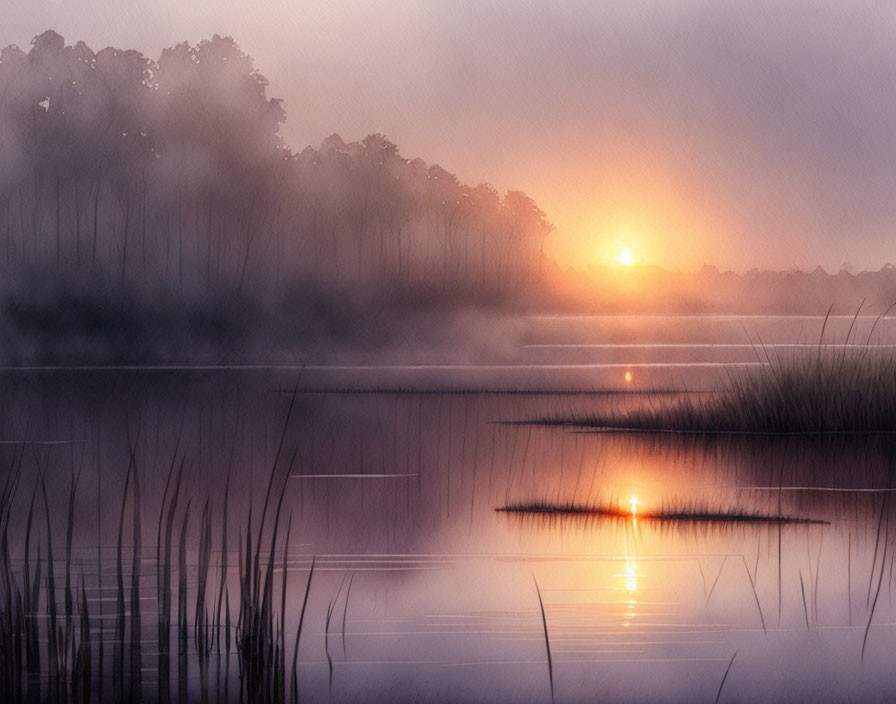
column 625, row 257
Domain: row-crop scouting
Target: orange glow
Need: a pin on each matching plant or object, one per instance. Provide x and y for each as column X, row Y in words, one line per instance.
column 628, row 200
column 634, row 502
column 631, row 577
column 625, row 257
column 628, row 377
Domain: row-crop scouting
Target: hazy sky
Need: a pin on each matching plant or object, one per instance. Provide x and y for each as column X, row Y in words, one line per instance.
column 739, row 133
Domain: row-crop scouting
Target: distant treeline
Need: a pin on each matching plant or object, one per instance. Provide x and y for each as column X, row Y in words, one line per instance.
column 650, row 289
column 170, row 175
column 150, row 210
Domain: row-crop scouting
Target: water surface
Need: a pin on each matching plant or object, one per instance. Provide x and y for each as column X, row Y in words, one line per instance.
column 393, row 473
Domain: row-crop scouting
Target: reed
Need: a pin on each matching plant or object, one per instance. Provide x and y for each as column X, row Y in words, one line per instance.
column 182, row 627
column 547, row 640
column 81, row 682
column 163, row 575
column 53, row 669
column 31, row 594
column 67, row 674
column 201, row 630
column 55, row 653
column 725, row 677
column 348, row 593
column 294, row 689
column 68, row 641
column 135, row 680
column 883, row 536
column 12, row 616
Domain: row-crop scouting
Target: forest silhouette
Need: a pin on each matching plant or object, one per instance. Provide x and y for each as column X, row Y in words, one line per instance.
column 150, row 210
column 165, row 183
column 172, row 174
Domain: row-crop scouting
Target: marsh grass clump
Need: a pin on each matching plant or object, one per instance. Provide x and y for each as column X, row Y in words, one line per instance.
column 54, row 654
column 844, row 388
column 571, row 509
column 676, row 512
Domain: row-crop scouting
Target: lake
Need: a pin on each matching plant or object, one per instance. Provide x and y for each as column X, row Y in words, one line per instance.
column 391, row 477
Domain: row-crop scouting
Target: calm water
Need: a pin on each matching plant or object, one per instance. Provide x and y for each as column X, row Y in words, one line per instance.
column 443, row 603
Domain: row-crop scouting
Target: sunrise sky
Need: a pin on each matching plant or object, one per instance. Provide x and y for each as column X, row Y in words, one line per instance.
column 746, row 134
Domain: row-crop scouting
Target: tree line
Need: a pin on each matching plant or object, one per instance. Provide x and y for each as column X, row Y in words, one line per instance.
column 171, row 175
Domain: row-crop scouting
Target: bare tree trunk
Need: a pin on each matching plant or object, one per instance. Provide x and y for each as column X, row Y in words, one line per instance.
column 143, row 229
column 8, row 232
column 22, row 222
column 77, row 223
column 208, row 253
column 96, row 217
column 180, row 245
column 127, row 224
column 35, row 216
column 58, row 225
column 167, row 245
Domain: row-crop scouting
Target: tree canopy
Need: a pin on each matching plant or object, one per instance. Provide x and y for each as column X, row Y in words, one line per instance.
column 171, row 174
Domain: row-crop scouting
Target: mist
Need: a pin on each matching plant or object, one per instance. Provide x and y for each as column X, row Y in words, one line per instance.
column 760, row 130
column 156, row 200
column 152, row 211
column 561, row 360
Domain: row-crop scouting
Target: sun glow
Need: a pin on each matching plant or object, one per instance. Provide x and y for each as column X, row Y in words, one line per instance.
column 628, row 377
column 631, row 577
column 625, row 257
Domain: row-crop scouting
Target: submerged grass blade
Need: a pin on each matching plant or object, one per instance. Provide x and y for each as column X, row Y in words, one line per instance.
column 294, row 690
column 547, row 640
column 725, row 677
column 805, row 606
column 755, row 594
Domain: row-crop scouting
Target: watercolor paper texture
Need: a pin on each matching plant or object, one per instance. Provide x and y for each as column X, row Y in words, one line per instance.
column 447, row 351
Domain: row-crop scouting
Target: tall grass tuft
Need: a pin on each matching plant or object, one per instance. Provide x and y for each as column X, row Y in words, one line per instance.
column 828, row 390
column 260, row 639
column 68, row 664
column 51, row 644
column 12, row 622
